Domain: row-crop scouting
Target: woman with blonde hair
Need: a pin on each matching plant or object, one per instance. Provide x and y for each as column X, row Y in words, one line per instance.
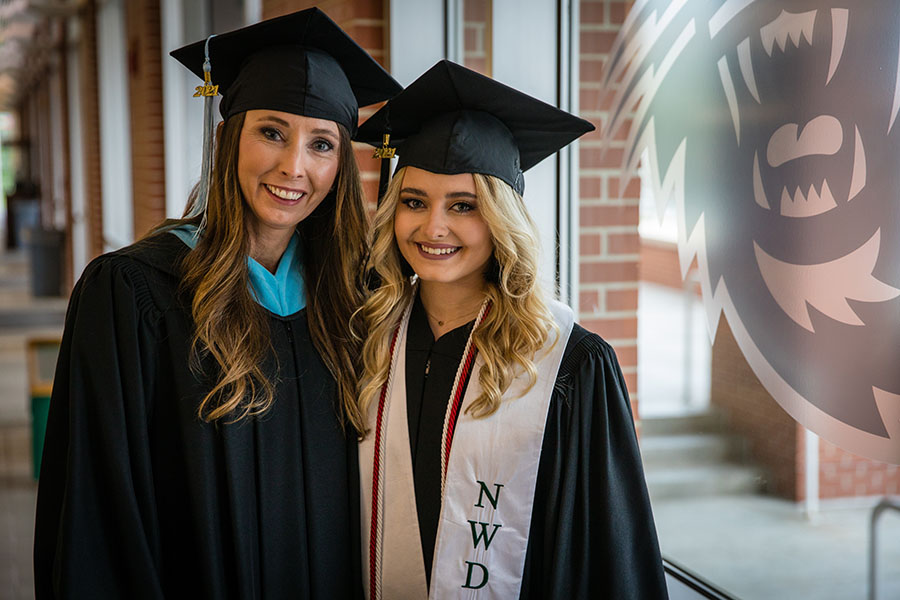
column 202, row 432
column 500, row 457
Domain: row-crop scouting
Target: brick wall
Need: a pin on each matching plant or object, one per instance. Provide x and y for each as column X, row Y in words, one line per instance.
column 28, row 116
column 23, row 133
column 778, row 443
column 90, row 126
column 844, row 474
column 366, row 22
column 63, row 140
column 608, row 207
column 44, row 138
column 659, row 263
column 477, row 35
column 26, row 167
column 142, row 22
column 776, row 440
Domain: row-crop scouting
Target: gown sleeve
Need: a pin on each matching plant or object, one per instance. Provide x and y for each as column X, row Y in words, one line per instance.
column 592, row 532
column 96, row 533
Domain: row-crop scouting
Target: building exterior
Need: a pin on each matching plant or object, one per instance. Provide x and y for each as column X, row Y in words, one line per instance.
column 110, row 132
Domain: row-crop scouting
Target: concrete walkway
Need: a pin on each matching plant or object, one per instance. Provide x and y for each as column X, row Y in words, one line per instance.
column 762, row 548
column 22, row 317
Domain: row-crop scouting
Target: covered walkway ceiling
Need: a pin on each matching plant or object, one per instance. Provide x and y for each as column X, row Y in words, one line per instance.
column 27, row 37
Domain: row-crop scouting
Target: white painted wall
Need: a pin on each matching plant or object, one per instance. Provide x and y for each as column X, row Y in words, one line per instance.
column 416, row 37
column 115, row 125
column 182, row 23
column 569, row 169
column 76, row 161
column 525, row 47
column 252, row 11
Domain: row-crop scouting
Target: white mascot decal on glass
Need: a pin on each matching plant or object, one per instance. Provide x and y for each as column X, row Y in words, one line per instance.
column 773, row 128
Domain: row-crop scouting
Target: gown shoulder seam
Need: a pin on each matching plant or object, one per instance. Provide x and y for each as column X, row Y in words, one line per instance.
column 581, row 346
column 134, row 274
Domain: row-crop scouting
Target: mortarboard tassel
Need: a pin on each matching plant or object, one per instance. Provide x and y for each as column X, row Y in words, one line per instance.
column 207, row 91
column 385, row 153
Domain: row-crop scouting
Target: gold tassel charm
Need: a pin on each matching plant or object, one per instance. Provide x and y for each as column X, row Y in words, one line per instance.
column 386, row 151
column 207, row 89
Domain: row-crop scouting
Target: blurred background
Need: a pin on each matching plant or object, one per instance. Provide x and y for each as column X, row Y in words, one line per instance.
column 100, row 139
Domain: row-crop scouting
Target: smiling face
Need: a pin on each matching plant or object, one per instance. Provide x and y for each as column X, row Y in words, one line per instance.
column 286, row 166
column 439, row 228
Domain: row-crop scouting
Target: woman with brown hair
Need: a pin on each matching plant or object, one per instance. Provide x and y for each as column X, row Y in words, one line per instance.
column 501, row 459
column 202, row 433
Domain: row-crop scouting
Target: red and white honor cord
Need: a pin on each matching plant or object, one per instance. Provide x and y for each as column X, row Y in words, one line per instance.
column 376, row 528
column 462, row 375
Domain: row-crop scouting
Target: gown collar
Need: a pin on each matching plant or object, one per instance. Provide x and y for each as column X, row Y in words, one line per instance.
column 282, row 292
column 451, row 344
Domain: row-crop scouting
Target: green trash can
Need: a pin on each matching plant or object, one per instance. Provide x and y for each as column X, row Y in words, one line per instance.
column 42, row 354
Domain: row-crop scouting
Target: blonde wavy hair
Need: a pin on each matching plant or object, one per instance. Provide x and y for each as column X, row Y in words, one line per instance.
column 518, row 324
column 232, row 328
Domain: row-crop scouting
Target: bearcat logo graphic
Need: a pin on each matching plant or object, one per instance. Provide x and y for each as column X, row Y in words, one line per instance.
column 772, row 126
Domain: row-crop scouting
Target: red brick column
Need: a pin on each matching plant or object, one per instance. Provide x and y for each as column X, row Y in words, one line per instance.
column 23, row 168
column 776, row 440
column 90, row 124
column 63, row 74
column 30, row 115
column 477, row 15
column 366, row 22
column 44, row 138
column 23, row 153
column 608, row 207
column 30, row 153
column 146, row 103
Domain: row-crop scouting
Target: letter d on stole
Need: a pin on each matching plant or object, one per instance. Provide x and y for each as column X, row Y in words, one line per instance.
column 484, row 575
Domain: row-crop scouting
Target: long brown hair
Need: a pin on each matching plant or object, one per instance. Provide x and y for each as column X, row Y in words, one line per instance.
column 233, row 329
column 519, row 322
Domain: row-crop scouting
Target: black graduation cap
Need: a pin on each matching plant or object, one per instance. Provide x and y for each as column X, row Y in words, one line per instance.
column 301, row 63
column 453, row 120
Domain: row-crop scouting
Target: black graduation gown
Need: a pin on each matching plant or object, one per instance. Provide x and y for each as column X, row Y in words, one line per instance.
column 592, row 533
column 139, row 498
